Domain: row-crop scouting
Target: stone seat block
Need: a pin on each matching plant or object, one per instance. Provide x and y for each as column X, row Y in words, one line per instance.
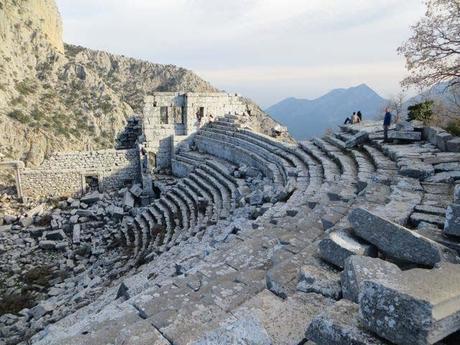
column 405, row 135
column 357, row 269
column 417, row 306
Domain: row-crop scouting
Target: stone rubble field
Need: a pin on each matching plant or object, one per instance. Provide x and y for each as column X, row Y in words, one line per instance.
column 336, row 240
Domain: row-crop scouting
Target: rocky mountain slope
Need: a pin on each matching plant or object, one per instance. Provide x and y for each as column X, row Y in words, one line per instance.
column 59, row 97
column 306, row 118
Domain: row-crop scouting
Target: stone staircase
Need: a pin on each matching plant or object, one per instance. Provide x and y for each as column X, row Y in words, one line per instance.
column 215, row 276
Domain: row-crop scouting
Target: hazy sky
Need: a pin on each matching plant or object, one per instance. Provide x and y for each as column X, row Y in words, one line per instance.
column 264, row 49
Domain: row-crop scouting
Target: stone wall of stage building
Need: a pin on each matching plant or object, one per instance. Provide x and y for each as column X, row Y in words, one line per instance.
column 172, row 114
column 65, row 174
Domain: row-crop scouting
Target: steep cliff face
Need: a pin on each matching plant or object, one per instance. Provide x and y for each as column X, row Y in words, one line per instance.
column 58, row 97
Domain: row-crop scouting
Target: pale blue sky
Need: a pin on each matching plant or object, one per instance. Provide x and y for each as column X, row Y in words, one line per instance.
column 264, row 49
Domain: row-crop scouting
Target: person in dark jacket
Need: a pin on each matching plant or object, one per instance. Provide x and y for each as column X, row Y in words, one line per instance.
column 360, row 115
column 386, row 124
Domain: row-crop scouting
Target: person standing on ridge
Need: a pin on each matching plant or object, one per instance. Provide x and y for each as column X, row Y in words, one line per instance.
column 360, row 115
column 386, row 124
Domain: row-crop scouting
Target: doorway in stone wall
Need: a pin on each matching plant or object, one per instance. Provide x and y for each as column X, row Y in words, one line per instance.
column 91, row 183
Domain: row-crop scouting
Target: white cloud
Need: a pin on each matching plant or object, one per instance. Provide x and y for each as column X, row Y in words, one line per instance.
column 240, row 43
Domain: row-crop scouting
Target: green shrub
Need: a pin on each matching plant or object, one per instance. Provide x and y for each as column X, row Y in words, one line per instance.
column 25, row 87
column 421, row 111
column 37, row 114
column 12, row 304
column 453, row 127
column 18, row 115
column 40, row 275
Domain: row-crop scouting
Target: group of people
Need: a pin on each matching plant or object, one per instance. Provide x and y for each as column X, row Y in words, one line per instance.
column 357, row 117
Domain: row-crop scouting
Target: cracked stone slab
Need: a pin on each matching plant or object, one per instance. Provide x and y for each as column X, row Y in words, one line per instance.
column 417, row 306
column 397, row 241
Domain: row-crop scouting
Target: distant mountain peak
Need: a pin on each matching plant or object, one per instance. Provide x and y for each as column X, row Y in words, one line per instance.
column 305, row 118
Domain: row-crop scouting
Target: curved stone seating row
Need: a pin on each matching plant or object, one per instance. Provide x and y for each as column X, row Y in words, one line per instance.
column 226, row 137
column 239, row 155
column 179, row 213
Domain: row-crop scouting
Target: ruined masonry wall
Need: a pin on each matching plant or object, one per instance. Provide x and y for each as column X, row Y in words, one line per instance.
column 160, row 137
column 64, row 174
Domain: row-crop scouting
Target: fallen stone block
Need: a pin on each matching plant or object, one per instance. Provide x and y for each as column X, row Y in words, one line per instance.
column 357, row 269
column 136, row 190
column 453, row 145
column 339, row 325
column 418, row 217
column 404, row 126
column 417, row 306
column 416, row 169
column 56, row 235
column 41, row 309
column 357, row 139
column 76, row 234
column 128, row 200
column 405, row 135
column 46, row 244
column 26, row 221
column 397, row 241
column 442, row 139
column 320, row 280
column 115, row 211
column 341, row 244
column 92, row 198
column 36, row 232
column 452, row 222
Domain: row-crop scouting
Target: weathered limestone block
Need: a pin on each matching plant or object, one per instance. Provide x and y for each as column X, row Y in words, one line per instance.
column 320, row 280
column 76, row 234
column 404, row 126
column 418, row 217
column 397, row 241
column 452, row 223
column 453, row 145
column 46, row 244
column 430, row 133
column 357, row 139
column 405, row 135
column 92, row 197
column 341, row 244
column 415, row 168
column 442, row 139
column 417, row 306
column 56, row 235
column 360, row 268
column 339, row 325
column 457, row 194
column 128, row 200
